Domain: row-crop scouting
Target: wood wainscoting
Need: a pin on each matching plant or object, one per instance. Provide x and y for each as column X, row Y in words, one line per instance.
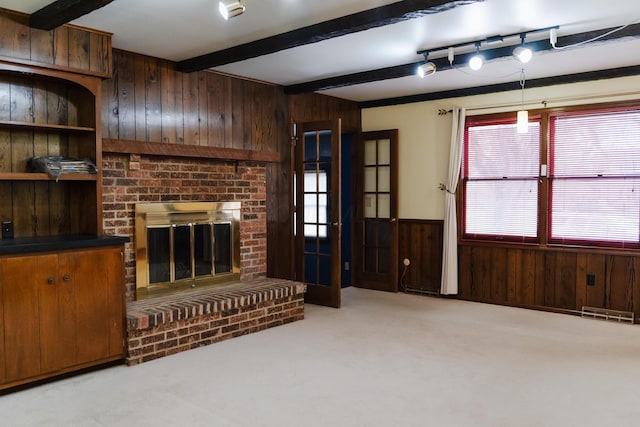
column 561, row 280
column 420, row 241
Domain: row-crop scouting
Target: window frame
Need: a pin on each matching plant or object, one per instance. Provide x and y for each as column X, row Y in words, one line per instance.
column 492, row 120
column 544, row 194
column 572, row 241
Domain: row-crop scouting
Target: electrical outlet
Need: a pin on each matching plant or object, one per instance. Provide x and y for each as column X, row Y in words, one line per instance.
column 591, row 279
column 347, row 266
column 7, row 230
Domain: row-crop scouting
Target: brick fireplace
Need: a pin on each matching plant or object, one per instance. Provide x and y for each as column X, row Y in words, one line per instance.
column 132, row 179
column 161, row 326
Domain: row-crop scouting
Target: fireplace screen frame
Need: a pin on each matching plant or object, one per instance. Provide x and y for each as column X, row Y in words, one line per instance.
column 184, row 214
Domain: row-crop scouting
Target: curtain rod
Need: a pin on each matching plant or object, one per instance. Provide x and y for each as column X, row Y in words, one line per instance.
column 544, row 102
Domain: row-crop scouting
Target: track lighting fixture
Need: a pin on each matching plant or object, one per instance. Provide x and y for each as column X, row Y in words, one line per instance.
column 451, row 51
column 522, row 53
column 229, row 9
column 427, row 68
column 476, row 61
column 553, row 37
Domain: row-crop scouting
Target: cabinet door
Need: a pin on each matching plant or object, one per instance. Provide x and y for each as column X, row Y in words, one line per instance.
column 97, row 278
column 2, row 351
column 22, row 278
column 57, row 323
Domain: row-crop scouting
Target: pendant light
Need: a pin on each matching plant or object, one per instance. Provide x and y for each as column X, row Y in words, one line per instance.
column 522, row 124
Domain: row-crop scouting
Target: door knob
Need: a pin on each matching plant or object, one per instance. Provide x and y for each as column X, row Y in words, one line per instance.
column 66, row 277
column 392, row 220
column 51, row 280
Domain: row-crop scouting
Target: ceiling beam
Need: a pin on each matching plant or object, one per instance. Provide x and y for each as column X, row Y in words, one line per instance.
column 368, row 19
column 442, row 64
column 63, row 11
column 503, row 87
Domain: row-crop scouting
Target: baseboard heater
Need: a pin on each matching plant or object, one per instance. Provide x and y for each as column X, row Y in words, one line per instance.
column 606, row 314
column 421, row 291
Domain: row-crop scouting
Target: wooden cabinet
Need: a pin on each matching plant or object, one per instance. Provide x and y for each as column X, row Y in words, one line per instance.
column 67, row 313
column 61, row 280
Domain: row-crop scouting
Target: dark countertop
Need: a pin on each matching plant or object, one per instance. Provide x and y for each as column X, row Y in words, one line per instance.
column 24, row 245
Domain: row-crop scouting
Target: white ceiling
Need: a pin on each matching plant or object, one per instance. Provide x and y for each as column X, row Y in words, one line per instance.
column 177, row 30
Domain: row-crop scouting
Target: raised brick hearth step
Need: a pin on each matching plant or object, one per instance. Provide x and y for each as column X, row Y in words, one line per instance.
column 170, row 324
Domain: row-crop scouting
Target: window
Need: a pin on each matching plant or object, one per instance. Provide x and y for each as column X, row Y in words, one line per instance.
column 590, row 196
column 595, row 178
column 501, row 181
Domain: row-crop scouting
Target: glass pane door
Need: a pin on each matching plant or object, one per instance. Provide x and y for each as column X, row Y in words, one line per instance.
column 376, row 231
column 317, row 230
column 377, row 209
column 317, row 211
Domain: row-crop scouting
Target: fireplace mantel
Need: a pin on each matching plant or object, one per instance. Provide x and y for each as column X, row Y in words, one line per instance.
column 184, row 150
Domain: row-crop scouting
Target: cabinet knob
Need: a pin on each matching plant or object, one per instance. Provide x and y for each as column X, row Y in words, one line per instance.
column 51, row 280
column 66, row 277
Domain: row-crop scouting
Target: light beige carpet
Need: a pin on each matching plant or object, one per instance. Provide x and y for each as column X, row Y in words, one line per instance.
column 382, row 360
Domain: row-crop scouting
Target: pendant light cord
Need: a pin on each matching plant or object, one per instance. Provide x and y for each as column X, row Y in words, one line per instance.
column 522, row 81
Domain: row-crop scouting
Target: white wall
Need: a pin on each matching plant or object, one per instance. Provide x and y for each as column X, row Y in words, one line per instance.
column 424, row 135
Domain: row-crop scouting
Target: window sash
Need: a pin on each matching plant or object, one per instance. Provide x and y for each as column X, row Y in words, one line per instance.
column 502, row 209
column 595, row 211
column 594, row 196
column 501, row 181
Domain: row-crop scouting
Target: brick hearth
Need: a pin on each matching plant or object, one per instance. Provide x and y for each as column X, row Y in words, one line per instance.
column 167, row 325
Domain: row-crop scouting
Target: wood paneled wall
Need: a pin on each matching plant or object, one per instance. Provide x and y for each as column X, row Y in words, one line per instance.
column 421, row 242
column 548, row 278
column 312, row 107
column 147, row 100
column 66, row 48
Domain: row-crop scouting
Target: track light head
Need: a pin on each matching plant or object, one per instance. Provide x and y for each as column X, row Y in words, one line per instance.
column 523, row 54
column 426, row 69
column 229, row 9
column 476, row 62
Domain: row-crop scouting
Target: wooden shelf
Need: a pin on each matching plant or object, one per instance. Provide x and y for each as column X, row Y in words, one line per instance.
column 28, row 176
column 44, row 126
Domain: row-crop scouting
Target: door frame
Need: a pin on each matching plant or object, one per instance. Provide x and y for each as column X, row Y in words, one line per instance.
column 363, row 279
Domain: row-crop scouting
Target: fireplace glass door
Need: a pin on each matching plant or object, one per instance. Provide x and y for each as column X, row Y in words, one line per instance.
column 186, row 244
column 189, row 251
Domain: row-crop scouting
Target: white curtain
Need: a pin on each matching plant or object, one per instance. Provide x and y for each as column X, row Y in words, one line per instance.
column 449, row 285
